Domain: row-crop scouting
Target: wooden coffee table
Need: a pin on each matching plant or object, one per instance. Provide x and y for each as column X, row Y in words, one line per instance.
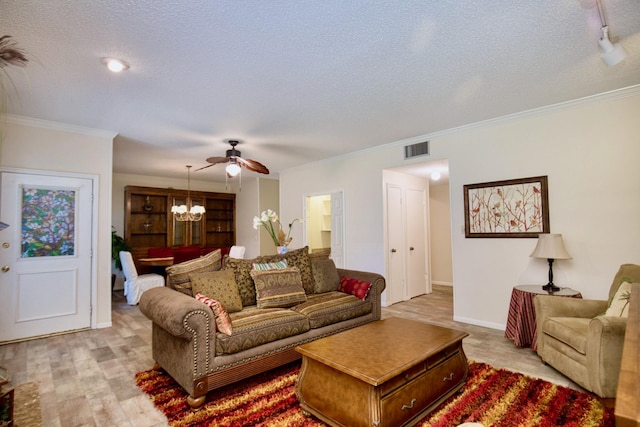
column 386, row 373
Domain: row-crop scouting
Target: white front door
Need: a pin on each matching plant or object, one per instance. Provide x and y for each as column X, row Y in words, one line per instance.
column 45, row 255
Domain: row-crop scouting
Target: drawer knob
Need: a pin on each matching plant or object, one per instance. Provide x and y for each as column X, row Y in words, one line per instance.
column 405, row 407
column 449, row 378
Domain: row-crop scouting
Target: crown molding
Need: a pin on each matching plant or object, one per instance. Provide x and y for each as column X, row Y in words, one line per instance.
column 46, row 124
column 536, row 112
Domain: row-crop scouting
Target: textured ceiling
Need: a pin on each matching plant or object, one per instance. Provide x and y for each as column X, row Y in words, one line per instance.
column 298, row 81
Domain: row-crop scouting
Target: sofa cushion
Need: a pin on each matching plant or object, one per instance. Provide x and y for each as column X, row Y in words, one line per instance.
column 220, row 286
column 178, row 274
column 332, row 307
column 242, row 269
column 255, row 326
column 325, row 275
column 297, row 258
column 619, row 304
column 570, row 330
column 355, row 287
column 223, row 321
column 278, row 288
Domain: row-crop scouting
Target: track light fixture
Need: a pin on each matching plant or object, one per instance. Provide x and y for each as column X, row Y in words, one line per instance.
column 612, row 54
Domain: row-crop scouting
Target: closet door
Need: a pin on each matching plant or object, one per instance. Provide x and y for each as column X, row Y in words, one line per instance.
column 416, row 242
column 396, row 288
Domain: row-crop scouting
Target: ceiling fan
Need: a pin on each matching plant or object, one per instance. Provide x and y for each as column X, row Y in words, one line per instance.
column 235, row 162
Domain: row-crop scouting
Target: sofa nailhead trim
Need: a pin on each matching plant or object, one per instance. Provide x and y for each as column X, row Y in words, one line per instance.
column 195, row 340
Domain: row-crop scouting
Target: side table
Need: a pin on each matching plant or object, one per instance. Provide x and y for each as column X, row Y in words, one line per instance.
column 521, row 322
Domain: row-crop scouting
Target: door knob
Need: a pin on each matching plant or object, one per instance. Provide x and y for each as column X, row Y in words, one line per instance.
column 411, row 248
column 393, row 250
column 5, row 268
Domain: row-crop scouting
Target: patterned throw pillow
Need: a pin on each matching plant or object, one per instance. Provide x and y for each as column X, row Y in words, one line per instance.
column 220, row 286
column 278, row 288
column 354, row 287
column 325, row 275
column 619, row 306
column 223, row 321
column 178, row 274
column 242, row 270
column 296, row 258
column 270, row 265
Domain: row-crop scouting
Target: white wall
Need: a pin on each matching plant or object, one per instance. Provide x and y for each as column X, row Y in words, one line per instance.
column 589, row 149
column 40, row 145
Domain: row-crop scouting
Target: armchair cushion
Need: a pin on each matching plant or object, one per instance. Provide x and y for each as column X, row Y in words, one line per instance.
column 572, row 331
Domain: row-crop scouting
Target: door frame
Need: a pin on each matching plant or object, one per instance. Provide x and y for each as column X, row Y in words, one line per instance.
column 95, row 180
column 304, row 215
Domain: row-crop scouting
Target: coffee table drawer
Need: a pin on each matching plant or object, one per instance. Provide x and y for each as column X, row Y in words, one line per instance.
column 419, row 394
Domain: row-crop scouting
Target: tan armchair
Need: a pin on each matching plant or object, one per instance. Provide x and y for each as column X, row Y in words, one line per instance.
column 577, row 339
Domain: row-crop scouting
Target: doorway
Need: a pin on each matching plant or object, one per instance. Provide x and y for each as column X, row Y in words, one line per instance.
column 324, row 229
column 46, row 280
column 439, row 257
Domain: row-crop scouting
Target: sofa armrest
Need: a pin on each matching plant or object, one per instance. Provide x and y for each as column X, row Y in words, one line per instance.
column 170, row 310
column 378, row 284
column 605, row 340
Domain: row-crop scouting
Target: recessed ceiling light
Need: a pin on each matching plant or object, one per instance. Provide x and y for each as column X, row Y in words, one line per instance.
column 115, row 65
column 435, row 175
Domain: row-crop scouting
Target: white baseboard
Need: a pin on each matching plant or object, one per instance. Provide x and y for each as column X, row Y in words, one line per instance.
column 438, row 282
column 498, row 326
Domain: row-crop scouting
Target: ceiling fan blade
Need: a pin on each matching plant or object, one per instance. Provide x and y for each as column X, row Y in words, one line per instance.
column 215, row 160
column 204, row 167
column 253, row 165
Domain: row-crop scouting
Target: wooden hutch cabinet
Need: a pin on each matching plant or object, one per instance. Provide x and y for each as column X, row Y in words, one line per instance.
column 149, row 223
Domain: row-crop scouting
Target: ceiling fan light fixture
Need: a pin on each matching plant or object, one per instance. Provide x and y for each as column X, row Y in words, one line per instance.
column 115, row 65
column 233, row 169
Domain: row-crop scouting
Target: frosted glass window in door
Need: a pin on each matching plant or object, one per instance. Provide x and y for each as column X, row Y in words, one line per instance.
column 48, row 222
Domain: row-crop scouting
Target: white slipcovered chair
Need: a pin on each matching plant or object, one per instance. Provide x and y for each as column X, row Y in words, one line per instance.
column 135, row 285
column 237, row 252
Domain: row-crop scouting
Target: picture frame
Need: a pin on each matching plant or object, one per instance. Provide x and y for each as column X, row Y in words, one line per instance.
column 509, row 208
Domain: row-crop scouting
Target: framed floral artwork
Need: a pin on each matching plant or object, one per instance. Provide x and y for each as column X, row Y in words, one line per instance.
column 511, row 208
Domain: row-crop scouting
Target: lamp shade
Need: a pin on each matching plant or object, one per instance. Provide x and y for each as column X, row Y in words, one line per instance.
column 550, row 246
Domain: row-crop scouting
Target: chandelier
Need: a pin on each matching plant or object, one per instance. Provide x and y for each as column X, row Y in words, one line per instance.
column 187, row 212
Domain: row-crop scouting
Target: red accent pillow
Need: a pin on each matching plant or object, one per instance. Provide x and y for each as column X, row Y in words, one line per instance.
column 354, row 287
column 223, row 321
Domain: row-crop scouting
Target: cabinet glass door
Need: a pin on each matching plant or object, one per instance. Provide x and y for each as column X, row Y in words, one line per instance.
column 187, row 233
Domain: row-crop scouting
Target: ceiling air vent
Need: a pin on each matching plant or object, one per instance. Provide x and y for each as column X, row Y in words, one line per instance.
column 415, row 150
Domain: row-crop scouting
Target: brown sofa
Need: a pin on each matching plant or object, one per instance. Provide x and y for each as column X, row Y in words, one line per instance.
column 184, row 338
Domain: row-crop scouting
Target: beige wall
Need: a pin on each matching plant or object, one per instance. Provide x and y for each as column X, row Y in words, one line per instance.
column 440, row 237
column 39, row 145
column 589, row 150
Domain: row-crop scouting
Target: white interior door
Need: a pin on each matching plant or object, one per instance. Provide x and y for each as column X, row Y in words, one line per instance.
column 417, row 271
column 396, row 289
column 45, row 255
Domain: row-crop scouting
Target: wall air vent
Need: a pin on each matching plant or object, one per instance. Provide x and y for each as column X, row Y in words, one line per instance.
column 415, row 150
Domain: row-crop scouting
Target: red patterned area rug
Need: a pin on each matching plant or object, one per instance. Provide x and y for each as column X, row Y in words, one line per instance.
column 490, row 396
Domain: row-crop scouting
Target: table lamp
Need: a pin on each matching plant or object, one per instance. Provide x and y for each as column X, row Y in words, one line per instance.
column 551, row 247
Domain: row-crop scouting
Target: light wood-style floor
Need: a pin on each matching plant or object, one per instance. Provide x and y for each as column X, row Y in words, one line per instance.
column 87, row 378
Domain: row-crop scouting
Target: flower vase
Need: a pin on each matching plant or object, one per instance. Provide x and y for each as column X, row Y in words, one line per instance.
column 281, row 249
